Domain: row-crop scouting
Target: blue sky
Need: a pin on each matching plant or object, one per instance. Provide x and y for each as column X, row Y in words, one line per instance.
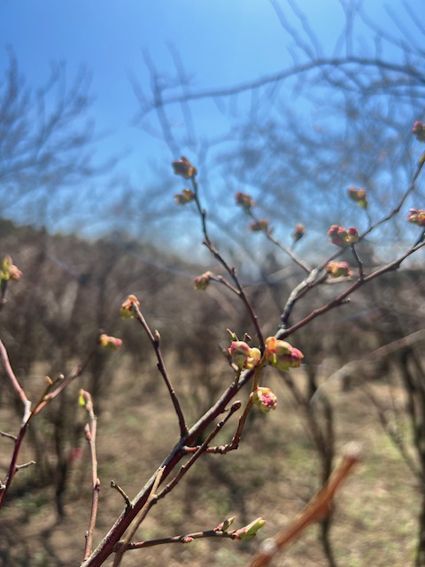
column 220, row 42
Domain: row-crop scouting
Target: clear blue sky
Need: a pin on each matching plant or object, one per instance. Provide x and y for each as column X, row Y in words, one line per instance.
column 221, row 42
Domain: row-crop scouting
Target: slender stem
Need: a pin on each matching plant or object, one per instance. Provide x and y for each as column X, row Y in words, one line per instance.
column 229, row 269
column 155, row 341
column 152, row 499
column 317, row 508
column 4, row 357
column 118, row 488
column 187, row 538
column 341, row 299
column 90, row 431
column 358, row 261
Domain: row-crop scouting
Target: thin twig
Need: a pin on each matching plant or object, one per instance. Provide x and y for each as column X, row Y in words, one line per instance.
column 229, row 269
column 187, row 538
column 314, row 511
column 155, row 341
column 118, row 488
column 90, row 431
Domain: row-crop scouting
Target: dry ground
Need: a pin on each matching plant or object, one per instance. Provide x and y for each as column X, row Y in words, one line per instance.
column 272, row 475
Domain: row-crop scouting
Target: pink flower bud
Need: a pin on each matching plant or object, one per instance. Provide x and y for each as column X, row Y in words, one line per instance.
column 359, row 196
column 299, row 232
column 338, row 270
column 418, row 130
column 259, row 226
column 264, row 399
column 282, row 355
column 126, row 310
column 245, row 201
column 184, row 168
column 105, row 341
column 341, row 236
column 203, row 281
column 250, row 530
column 417, row 216
column 186, row 196
column 8, row 271
column 242, row 356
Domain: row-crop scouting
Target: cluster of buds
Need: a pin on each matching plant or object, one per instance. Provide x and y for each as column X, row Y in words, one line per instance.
column 245, row 201
column 338, row 270
column 259, row 226
column 8, row 271
column 417, row 216
column 106, row 341
column 359, row 196
column 242, row 356
column 203, row 281
column 249, row 531
column 186, row 196
column 298, row 233
column 281, row 354
column 126, row 310
column 418, row 130
column 343, row 236
column 184, row 168
column 264, row 399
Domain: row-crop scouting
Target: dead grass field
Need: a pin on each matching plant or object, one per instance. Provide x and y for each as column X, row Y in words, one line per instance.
column 272, row 475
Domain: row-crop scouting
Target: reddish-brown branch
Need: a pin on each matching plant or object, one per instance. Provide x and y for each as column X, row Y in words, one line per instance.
column 318, row 508
column 229, row 269
column 342, row 298
column 4, row 357
column 180, row 539
column 155, row 341
column 90, row 431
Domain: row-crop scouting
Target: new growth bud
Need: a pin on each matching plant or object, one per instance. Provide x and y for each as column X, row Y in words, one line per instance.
column 264, row 399
column 338, row 270
column 298, row 233
column 184, row 168
column 417, row 216
column 250, row 530
column 341, row 236
column 282, row 355
column 418, row 130
column 126, row 310
column 359, row 196
column 8, row 271
column 245, row 201
column 186, row 196
column 259, row 226
column 243, row 356
column 203, row 281
column 106, row 341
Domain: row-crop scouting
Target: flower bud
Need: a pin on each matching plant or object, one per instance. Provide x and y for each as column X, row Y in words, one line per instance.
column 341, row 236
column 282, row 355
column 338, row 270
column 126, row 310
column 203, row 281
column 264, row 399
column 106, row 341
column 298, row 233
column 259, row 226
column 418, row 130
column 417, row 216
column 245, row 201
column 184, row 168
column 8, row 271
column 359, row 196
column 243, row 356
column 186, row 196
column 250, row 530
